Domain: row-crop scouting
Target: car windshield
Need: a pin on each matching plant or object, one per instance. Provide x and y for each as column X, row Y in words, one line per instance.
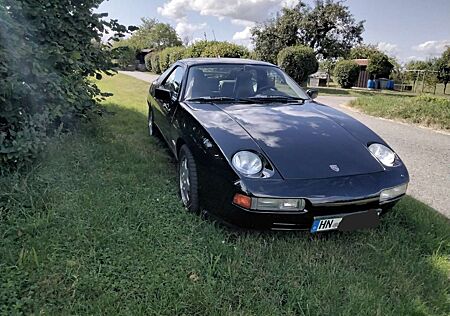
column 225, row 82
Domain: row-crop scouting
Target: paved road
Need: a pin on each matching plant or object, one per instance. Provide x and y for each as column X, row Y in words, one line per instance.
column 425, row 152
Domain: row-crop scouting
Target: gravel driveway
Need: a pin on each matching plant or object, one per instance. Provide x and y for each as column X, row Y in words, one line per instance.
column 425, row 152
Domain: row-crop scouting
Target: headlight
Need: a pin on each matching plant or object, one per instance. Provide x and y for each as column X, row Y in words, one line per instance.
column 247, row 163
column 392, row 193
column 383, row 154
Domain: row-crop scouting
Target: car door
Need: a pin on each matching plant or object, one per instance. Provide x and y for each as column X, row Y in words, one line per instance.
column 167, row 109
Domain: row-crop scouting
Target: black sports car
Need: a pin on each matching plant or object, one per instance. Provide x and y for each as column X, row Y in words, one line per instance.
column 254, row 150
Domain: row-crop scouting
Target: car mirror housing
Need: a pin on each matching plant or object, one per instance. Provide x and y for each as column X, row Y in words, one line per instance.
column 312, row 93
column 163, row 94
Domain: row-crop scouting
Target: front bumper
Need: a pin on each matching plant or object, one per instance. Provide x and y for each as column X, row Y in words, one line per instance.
column 340, row 195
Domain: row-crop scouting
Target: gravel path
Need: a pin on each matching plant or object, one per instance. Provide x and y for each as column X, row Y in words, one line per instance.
column 140, row 75
column 425, row 152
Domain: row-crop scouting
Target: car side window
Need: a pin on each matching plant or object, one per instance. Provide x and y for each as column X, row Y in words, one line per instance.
column 173, row 82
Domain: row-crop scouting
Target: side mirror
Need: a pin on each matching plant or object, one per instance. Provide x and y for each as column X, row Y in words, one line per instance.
column 312, row 93
column 163, row 95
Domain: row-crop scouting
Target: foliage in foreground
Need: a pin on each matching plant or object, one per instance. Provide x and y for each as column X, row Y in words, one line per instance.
column 298, row 61
column 46, row 54
column 97, row 228
column 425, row 110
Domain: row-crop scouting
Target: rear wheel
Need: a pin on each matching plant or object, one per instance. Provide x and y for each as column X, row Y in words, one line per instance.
column 150, row 121
column 187, row 179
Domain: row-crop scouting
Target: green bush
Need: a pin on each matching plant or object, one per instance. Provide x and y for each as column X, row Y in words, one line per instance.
column 169, row 56
column 298, row 61
column 152, row 62
column 225, row 50
column 156, row 66
column 196, row 50
column 124, row 56
column 148, row 61
column 346, row 73
column 47, row 53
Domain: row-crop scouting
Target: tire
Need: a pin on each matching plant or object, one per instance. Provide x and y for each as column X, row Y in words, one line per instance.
column 188, row 182
column 150, row 122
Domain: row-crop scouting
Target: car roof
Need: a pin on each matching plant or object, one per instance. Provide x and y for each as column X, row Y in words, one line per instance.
column 207, row 61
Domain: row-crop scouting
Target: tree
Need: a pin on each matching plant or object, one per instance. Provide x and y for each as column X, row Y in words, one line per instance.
column 153, row 34
column 443, row 66
column 379, row 65
column 328, row 28
column 363, row 51
column 298, row 61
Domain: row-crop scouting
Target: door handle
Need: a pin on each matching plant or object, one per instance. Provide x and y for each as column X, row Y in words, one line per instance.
column 166, row 107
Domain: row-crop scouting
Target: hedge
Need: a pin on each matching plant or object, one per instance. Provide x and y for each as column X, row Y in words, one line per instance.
column 298, row 61
column 169, row 56
column 152, row 62
column 225, row 50
column 47, row 53
column 346, row 73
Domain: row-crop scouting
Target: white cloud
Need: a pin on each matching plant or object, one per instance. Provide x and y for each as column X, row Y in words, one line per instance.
column 244, row 10
column 410, row 58
column 388, row 48
column 242, row 23
column 246, row 34
column 185, row 29
column 432, row 48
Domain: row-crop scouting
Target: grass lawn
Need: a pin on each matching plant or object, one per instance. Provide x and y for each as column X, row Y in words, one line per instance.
column 425, row 110
column 96, row 227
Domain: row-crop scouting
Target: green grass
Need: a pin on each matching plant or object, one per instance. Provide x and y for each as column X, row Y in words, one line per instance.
column 97, row 228
column 334, row 91
column 337, row 91
column 425, row 110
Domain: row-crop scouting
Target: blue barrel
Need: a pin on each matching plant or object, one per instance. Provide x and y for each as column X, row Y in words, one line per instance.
column 371, row 84
column 391, row 85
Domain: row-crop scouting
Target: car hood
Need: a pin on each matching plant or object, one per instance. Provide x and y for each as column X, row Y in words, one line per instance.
column 302, row 141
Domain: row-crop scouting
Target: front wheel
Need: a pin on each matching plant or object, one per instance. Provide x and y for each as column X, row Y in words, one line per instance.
column 188, row 181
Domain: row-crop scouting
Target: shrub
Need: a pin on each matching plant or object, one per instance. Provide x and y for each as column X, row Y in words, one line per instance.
column 124, row 56
column 169, row 56
column 379, row 65
column 152, row 62
column 195, row 50
column 225, row 50
column 176, row 53
column 47, row 53
column 148, row 61
column 346, row 73
column 298, row 61
column 156, row 66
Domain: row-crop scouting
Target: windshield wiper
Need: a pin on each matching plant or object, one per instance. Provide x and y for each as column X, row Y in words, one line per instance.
column 277, row 98
column 216, row 99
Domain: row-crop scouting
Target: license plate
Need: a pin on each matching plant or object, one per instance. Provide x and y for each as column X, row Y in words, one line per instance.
column 347, row 222
column 321, row 225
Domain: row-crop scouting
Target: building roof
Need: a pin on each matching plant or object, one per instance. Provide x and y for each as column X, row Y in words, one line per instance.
column 320, row 75
column 239, row 61
column 361, row 62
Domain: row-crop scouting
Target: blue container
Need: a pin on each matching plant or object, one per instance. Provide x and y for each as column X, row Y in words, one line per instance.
column 391, row 85
column 371, row 84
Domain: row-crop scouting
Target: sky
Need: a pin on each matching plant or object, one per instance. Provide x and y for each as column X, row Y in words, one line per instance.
column 406, row 29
